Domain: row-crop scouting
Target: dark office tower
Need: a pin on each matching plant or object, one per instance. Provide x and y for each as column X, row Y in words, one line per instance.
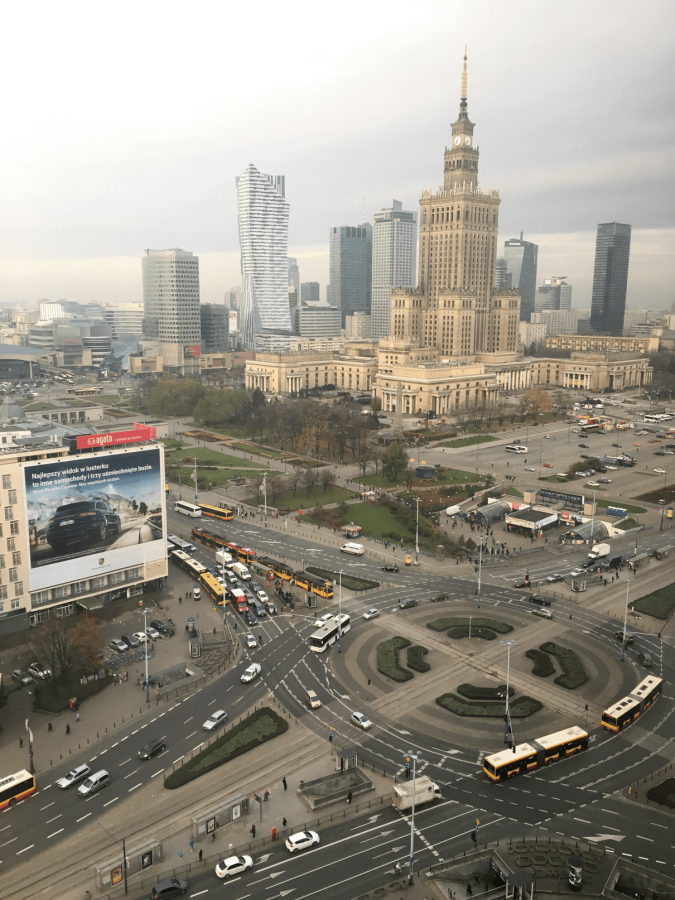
column 310, row 292
column 521, row 263
column 351, row 269
column 502, row 275
column 214, row 321
column 610, row 278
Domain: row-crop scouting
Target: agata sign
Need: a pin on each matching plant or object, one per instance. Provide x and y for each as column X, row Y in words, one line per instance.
column 112, row 439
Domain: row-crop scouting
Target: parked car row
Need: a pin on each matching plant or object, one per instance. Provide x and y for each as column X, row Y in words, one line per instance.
column 155, row 630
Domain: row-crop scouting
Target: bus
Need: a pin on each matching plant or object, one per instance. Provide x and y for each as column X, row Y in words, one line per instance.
column 213, row 588
column 345, row 622
column 629, row 710
column 280, row 570
column 590, row 429
column 187, row 564
column 324, row 637
column 15, row 788
column 314, row 584
column 185, row 546
column 85, row 391
column 216, row 512
column 188, row 509
column 618, row 461
column 208, row 538
column 516, row 448
column 539, row 752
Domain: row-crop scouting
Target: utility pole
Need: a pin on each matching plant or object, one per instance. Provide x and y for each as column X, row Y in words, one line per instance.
column 195, row 477
column 265, row 490
column 415, row 757
column 625, row 621
column 341, row 573
column 145, row 647
column 417, row 530
column 480, row 566
column 507, row 715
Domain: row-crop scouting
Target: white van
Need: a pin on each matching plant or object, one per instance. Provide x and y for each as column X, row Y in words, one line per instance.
column 224, row 559
column 94, row 783
column 241, row 572
column 354, row 549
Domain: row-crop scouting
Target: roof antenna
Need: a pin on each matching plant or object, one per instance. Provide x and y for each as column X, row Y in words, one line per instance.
column 521, row 232
column 464, row 76
column 364, row 210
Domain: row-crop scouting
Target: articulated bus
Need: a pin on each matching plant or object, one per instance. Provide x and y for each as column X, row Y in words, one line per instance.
column 213, row 588
column 629, row 710
column 281, row 570
column 85, row 391
column 206, row 537
column 16, row 788
column 180, row 543
column 187, row 564
column 313, row 583
column 516, row 448
column 188, row 509
column 539, row 752
column 215, row 512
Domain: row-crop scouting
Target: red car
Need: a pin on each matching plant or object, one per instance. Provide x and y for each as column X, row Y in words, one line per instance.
column 548, row 466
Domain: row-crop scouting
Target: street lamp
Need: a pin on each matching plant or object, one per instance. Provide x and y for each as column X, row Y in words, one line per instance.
column 264, row 485
column 341, row 573
column 507, row 716
column 480, row 565
column 625, row 619
column 417, row 530
column 593, row 517
column 145, row 647
column 663, row 506
column 415, row 757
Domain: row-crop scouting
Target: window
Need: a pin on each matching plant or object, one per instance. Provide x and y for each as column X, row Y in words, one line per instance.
column 18, row 591
column 9, row 513
column 61, row 592
column 6, row 481
column 133, row 574
column 39, row 597
column 2, row 562
column 11, row 497
column 80, row 587
column 3, row 592
column 13, row 528
column 115, row 577
column 13, row 574
column 11, row 544
column 16, row 558
column 97, row 583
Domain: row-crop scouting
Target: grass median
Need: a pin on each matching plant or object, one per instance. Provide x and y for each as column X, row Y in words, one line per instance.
column 387, row 659
column 543, row 666
column 659, row 605
column 463, row 622
column 518, row 709
column 573, row 672
column 351, row 582
column 257, row 728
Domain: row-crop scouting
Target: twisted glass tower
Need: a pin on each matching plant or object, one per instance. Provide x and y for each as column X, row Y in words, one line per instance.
column 263, row 238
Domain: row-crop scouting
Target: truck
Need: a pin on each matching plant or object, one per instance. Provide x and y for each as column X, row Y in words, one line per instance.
column 599, row 551
column 426, row 791
column 224, row 559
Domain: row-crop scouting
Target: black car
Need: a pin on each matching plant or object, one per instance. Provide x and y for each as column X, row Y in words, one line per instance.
column 170, row 887
column 390, row 567
column 584, row 455
column 131, row 641
column 151, row 749
column 84, row 521
column 539, row 600
column 585, row 445
column 22, row 677
column 271, row 608
column 162, row 627
column 249, row 618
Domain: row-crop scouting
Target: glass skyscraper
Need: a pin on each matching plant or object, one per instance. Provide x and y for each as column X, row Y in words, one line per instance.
column 610, row 278
column 263, row 238
column 521, row 264
column 351, row 269
column 394, row 251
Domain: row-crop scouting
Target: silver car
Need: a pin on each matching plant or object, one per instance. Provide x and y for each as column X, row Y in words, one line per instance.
column 79, row 773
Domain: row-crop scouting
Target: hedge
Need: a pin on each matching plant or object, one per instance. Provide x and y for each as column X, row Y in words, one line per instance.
column 416, row 661
column 484, row 693
column 260, row 726
column 387, row 659
column 476, row 622
column 49, row 700
column 543, row 665
column 573, row 672
column 348, row 581
column 663, row 793
column 518, row 709
column 658, row 605
column 463, row 632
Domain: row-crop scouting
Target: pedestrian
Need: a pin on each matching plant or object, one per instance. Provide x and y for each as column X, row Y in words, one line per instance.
column 201, row 855
column 180, row 599
column 192, row 844
column 283, row 781
column 67, row 729
column 253, row 831
column 267, row 793
column 283, row 823
column 349, row 797
column 213, row 835
column 20, row 743
column 477, row 879
column 49, row 726
column 77, row 717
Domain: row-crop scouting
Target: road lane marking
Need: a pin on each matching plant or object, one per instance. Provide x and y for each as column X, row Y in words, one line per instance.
column 177, row 760
column 134, row 787
column 55, row 833
column 9, row 842
column 49, row 821
column 191, row 735
column 24, row 849
column 125, row 762
column 42, row 808
column 111, row 801
column 83, row 818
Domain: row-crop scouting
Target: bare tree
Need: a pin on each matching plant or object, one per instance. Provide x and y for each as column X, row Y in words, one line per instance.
column 88, row 641
column 295, row 478
column 326, row 478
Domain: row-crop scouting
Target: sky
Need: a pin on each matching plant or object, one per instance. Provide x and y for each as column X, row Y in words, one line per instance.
column 125, row 125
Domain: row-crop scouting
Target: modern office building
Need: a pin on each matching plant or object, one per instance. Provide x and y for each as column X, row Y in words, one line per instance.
column 532, row 334
column 233, row 298
column 293, row 273
column 215, row 331
column 263, row 238
column 124, row 319
column 561, row 321
column 358, row 327
column 521, row 265
column 317, row 320
column 171, row 307
column 554, row 293
column 51, row 310
column 503, row 278
column 310, row 292
column 610, row 278
column 394, row 250
column 351, row 269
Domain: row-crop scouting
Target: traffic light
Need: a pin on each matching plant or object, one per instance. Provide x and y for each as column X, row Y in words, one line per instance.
column 256, row 797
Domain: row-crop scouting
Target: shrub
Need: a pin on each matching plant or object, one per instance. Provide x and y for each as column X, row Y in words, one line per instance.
column 57, row 699
column 659, row 605
column 518, row 709
column 484, row 693
column 543, row 666
column 462, row 631
column 260, row 726
column 349, row 581
column 416, row 661
column 387, row 659
column 573, row 672
column 663, row 793
column 476, row 622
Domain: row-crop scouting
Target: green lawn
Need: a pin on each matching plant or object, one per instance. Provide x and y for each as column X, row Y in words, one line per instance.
column 626, row 524
column 36, row 407
column 447, row 476
column 212, row 477
column 603, row 504
column 512, row 492
column 659, row 605
column 208, row 457
column 259, row 451
column 170, row 444
column 381, row 522
column 468, row 441
column 108, row 399
column 301, row 500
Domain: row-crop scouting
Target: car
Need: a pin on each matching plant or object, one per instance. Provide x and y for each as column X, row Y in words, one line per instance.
column 586, row 446
column 231, row 577
column 22, row 677
column 552, row 579
column 254, row 586
column 354, row 549
column 548, row 466
column 390, row 567
column 630, row 638
column 162, row 627
column 585, row 456
column 670, row 446
column 324, row 620
column 613, row 468
column 94, row 783
column 118, row 645
column 659, row 453
column 437, row 598
column 654, row 441
column 79, row 773
column 361, row 720
column 543, row 613
column 593, row 484
column 540, row 600
column 250, row 618
column 152, row 748
column 37, row 670
column 521, row 584
column 371, row 613
column 169, row 887
column 251, row 642
column 575, row 573
column 270, row 607
column 131, row 641
column 262, row 596
column 642, row 431
column 140, row 636
column 215, row 720
column 530, row 469
column 196, row 592
column 251, row 673
column 605, row 480
column 407, row 603
column 233, row 865
column 645, row 660
column 668, row 453
column 301, row 841
column 547, row 437
column 660, row 471
column 85, row 521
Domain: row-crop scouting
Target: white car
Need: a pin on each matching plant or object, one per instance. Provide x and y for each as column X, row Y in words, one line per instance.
column 530, row 469
column 324, row 620
column 251, row 673
column 371, row 614
column 153, row 634
column 660, row 471
column 251, row 642
column 576, row 572
column 613, row 468
column 215, row 720
column 140, row 636
column 233, row 865
column 361, row 720
column 301, row 841
column 354, row 549
column 593, row 484
column 262, row 596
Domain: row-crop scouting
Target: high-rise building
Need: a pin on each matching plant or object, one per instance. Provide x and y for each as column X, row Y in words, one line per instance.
column 503, row 278
column 358, row 327
column 521, row 264
column 50, row 309
column 351, row 269
column 554, row 293
column 171, row 307
column 310, row 292
column 214, row 320
column 124, row 319
column 562, row 321
column 317, row 320
column 610, row 278
column 233, row 298
column 293, row 273
column 394, row 250
column 263, row 237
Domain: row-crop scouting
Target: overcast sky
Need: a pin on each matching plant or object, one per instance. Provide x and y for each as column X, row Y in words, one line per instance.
column 124, row 126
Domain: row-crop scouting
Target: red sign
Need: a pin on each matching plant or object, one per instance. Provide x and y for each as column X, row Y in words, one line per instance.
column 140, row 433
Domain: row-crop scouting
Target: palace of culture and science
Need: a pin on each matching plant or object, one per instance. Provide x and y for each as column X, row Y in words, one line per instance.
column 453, row 340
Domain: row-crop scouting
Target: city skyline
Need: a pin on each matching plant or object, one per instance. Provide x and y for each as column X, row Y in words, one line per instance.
column 556, row 182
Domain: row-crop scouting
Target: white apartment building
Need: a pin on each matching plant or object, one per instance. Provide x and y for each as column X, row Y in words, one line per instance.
column 171, row 307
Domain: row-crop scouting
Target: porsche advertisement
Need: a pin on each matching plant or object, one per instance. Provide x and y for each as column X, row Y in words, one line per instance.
column 93, row 514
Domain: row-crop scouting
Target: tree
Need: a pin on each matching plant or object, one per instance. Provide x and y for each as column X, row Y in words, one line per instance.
column 275, row 486
column 536, row 401
column 409, row 474
column 52, row 646
column 295, row 478
column 308, row 479
column 376, row 404
column 394, row 461
column 88, row 641
column 326, row 478
column 176, row 396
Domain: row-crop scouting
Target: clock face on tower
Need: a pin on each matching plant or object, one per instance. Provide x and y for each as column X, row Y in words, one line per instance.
column 457, row 141
column 467, row 141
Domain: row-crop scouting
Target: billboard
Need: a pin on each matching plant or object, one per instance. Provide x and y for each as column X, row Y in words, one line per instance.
column 233, row 321
column 140, row 433
column 93, row 514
